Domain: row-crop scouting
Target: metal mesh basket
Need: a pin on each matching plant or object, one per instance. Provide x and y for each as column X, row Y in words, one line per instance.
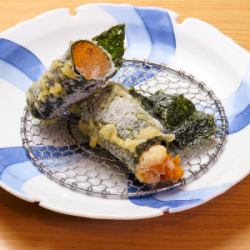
column 62, row 153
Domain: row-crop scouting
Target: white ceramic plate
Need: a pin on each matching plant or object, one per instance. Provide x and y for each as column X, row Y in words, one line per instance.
column 153, row 34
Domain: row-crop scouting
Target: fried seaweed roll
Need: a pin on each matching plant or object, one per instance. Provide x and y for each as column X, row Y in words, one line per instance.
column 179, row 116
column 115, row 120
column 86, row 66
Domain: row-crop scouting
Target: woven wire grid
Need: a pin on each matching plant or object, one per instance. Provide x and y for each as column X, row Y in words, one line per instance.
column 62, row 153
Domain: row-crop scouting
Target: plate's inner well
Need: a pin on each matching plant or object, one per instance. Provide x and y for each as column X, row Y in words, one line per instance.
column 63, row 154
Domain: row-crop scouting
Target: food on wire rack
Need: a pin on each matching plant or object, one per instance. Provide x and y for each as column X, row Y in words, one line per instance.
column 87, row 65
column 178, row 115
column 113, row 119
column 138, row 130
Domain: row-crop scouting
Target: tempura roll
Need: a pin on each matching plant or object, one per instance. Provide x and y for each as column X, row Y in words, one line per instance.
column 86, row 66
column 115, row 120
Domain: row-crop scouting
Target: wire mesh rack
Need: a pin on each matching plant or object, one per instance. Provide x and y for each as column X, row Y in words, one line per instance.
column 63, row 154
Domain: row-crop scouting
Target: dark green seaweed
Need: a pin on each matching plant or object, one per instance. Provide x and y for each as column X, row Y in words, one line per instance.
column 198, row 126
column 112, row 41
column 178, row 115
column 171, row 110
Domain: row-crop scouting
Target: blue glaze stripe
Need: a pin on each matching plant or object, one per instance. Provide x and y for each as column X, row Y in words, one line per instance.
column 178, row 199
column 46, row 152
column 16, row 168
column 138, row 39
column 21, row 58
column 160, row 29
column 237, row 106
column 15, row 175
column 171, row 204
column 14, row 76
column 239, row 121
column 20, row 67
column 12, row 155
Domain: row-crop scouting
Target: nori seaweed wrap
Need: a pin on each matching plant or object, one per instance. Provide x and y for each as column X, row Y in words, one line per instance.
column 115, row 120
column 179, row 116
column 86, row 66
